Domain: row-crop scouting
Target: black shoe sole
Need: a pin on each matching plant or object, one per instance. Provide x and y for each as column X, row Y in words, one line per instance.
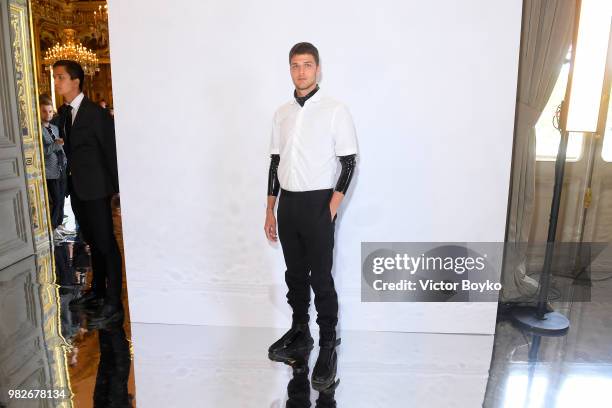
column 322, row 386
column 331, row 389
column 78, row 307
column 290, row 359
column 101, row 324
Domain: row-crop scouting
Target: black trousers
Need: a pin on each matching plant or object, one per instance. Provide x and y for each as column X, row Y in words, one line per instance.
column 306, row 233
column 111, row 388
column 56, row 189
column 96, row 222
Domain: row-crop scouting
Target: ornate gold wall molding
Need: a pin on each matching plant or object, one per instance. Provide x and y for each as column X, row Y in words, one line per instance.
column 50, row 17
column 29, row 120
column 31, row 135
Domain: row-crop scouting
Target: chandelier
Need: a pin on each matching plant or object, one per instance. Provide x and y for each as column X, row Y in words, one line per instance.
column 72, row 50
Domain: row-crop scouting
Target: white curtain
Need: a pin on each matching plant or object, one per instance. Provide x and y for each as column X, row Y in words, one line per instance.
column 545, row 38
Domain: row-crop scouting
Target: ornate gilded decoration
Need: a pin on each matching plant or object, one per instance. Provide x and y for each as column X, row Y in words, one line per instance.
column 89, row 22
column 73, row 50
column 28, row 120
column 29, row 124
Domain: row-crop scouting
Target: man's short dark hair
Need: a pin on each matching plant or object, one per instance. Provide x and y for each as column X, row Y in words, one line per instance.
column 304, row 48
column 73, row 69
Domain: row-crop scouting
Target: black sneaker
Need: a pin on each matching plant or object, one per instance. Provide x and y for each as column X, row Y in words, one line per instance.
column 324, row 373
column 89, row 300
column 327, row 397
column 294, row 344
column 106, row 316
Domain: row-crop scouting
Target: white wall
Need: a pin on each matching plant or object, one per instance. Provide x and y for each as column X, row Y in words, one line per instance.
column 431, row 86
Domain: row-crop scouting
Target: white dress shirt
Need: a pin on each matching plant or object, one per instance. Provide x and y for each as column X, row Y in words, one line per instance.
column 309, row 139
column 76, row 103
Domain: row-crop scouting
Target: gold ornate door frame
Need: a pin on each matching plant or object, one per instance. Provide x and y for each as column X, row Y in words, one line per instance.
column 41, row 293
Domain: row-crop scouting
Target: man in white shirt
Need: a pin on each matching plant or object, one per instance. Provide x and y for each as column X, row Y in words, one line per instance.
column 309, row 135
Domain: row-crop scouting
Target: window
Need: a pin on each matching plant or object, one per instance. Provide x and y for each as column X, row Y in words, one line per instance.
column 547, row 137
column 606, row 148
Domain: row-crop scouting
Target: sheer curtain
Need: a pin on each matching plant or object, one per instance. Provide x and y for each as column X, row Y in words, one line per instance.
column 545, row 37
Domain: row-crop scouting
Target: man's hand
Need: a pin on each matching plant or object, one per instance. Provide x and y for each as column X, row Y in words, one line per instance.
column 59, row 141
column 270, row 226
column 333, row 210
column 334, row 203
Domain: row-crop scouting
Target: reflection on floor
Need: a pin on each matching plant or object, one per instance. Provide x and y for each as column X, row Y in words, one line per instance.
column 99, row 361
column 228, row 366
column 204, row 366
column 574, row 370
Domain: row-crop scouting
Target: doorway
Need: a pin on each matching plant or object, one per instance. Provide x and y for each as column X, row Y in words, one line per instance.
column 46, row 343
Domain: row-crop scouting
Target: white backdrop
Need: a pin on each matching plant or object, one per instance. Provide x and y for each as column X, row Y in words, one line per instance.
column 431, row 86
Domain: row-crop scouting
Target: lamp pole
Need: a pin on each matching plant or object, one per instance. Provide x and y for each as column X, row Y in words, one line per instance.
column 541, row 321
column 586, row 84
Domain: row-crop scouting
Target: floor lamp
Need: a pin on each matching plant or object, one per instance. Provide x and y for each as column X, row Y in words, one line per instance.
column 580, row 112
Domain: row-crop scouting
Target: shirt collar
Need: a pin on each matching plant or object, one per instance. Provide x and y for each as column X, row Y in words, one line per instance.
column 313, row 95
column 76, row 102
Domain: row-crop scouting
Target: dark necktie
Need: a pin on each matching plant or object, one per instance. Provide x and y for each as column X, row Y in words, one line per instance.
column 66, row 115
column 51, row 132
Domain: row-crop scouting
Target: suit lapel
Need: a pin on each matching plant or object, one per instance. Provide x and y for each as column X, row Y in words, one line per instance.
column 81, row 112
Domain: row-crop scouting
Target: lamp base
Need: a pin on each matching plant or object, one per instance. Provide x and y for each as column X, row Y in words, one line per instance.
column 553, row 323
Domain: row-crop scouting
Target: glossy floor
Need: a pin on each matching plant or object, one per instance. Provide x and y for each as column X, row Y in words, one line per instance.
column 225, row 366
column 572, row 370
column 199, row 366
column 204, row 366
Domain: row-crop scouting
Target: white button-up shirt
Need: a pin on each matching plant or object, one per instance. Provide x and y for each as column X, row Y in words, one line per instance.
column 76, row 104
column 308, row 140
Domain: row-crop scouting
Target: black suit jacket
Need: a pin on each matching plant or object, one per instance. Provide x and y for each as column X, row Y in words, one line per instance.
column 92, row 154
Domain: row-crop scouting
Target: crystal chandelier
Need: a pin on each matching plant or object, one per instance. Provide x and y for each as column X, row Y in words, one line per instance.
column 72, row 50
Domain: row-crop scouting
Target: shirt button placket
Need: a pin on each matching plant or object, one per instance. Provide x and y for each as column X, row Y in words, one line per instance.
column 295, row 145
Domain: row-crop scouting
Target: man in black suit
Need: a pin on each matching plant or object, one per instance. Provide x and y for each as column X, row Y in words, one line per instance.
column 89, row 142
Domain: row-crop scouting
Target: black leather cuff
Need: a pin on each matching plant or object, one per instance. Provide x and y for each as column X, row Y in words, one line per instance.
column 273, row 183
column 348, row 168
